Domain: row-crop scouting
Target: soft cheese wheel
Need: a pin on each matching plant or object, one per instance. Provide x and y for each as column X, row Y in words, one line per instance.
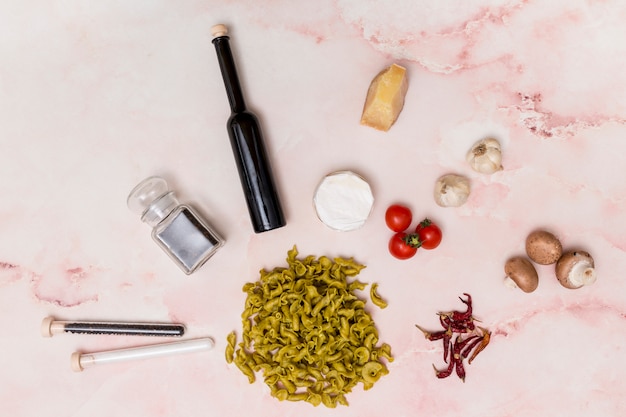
column 343, row 201
column 385, row 98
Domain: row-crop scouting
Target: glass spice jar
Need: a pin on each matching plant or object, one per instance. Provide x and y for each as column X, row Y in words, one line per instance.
column 178, row 229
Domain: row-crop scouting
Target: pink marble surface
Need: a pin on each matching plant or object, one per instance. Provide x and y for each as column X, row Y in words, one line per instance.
column 95, row 96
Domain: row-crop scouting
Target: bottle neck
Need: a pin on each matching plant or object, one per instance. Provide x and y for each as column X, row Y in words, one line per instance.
column 229, row 74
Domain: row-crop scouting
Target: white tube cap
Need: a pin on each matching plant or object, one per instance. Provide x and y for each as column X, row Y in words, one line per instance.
column 46, row 327
column 75, row 362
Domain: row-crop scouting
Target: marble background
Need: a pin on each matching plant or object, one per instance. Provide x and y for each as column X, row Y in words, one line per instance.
column 95, row 96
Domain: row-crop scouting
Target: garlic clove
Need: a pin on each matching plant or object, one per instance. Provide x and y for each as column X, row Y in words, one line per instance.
column 452, row 190
column 485, row 156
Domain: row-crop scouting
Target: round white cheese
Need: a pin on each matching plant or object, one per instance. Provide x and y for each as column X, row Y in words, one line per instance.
column 343, row 201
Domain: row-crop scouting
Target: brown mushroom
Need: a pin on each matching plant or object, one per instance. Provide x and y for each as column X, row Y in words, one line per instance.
column 543, row 247
column 520, row 273
column 575, row 269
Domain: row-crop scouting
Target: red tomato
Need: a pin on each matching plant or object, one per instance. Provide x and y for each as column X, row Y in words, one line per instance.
column 429, row 234
column 398, row 218
column 403, row 245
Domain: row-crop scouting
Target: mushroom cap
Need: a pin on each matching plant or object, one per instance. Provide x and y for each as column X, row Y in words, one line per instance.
column 543, row 247
column 565, row 266
column 521, row 271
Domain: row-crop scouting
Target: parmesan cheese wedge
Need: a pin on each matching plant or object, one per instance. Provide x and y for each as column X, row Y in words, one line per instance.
column 385, row 98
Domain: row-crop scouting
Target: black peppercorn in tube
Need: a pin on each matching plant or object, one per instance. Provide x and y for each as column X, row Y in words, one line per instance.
column 50, row 326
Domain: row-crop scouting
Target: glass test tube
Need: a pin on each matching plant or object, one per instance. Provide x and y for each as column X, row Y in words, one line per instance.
column 80, row 361
column 50, row 327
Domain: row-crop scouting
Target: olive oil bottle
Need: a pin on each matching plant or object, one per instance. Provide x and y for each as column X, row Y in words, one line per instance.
column 248, row 145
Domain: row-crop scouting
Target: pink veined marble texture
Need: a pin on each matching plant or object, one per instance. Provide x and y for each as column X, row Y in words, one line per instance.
column 95, row 96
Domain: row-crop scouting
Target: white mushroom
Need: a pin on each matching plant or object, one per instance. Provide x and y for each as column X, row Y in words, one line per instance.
column 575, row 269
column 543, row 247
column 520, row 273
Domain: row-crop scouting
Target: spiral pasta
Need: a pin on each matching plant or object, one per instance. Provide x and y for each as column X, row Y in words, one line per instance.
column 307, row 333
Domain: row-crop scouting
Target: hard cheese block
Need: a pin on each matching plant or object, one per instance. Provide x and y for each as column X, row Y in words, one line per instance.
column 385, row 98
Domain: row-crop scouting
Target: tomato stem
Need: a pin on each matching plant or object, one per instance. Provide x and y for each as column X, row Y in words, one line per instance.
column 412, row 240
column 426, row 222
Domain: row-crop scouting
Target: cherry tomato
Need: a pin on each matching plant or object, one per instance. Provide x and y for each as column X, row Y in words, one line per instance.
column 429, row 234
column 398, row 218
column 403, row 245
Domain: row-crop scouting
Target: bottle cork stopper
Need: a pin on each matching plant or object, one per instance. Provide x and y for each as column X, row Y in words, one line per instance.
column 219, row 30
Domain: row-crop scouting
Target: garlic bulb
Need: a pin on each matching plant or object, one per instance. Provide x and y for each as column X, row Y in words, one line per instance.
column 485, row 156
column 452, row 190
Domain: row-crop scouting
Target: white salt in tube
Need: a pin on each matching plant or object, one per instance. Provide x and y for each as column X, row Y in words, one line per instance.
column 81, row 361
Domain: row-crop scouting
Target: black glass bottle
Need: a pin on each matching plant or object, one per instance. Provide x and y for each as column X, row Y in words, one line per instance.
column 248, row 146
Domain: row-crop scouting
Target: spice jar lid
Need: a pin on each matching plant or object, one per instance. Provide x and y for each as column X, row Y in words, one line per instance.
column 152, row 200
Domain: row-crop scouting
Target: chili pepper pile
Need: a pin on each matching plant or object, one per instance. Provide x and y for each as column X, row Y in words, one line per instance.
column 462, row 339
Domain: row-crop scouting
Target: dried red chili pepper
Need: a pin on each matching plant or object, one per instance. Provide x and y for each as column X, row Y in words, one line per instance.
column 447, row 322
column 445, row 335
column 459, row 320
column 467, row 314
column 434, row 335
column 461, row 343
column 460, row 369
column 484, row 342
column 444, row 373
column 459, row 323
column 452, row 327
column 446, row 346
column 466, row 326
column 457, row 357
column 466, row 351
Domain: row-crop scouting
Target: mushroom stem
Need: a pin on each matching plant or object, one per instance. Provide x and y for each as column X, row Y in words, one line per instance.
column 509, row 283
column 582, row 273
